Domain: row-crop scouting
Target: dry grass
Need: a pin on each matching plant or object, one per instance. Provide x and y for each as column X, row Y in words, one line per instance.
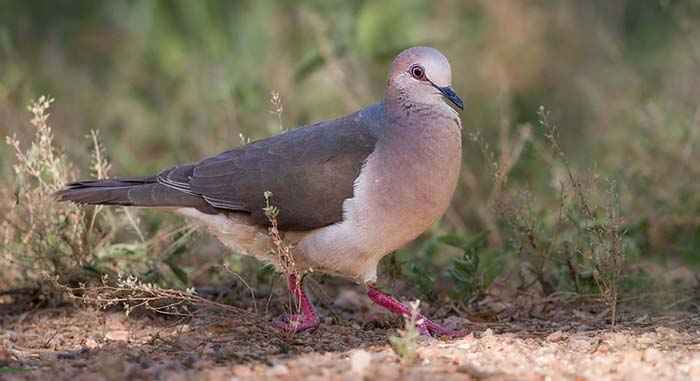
column 281, row 249
column 41, row 237
column 133, row 295
column 573, row 240
column 600, row 227
column 46, row 243
column 581, row 247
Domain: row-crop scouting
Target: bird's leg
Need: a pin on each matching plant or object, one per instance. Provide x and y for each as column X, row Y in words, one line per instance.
column 425, row 326
column 305, row 318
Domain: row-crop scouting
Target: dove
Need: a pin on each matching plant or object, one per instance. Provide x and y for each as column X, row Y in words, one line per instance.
column 347, row 191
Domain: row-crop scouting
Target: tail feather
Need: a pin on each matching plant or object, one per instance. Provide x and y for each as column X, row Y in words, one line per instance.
column 115, row 182
column 144, row 191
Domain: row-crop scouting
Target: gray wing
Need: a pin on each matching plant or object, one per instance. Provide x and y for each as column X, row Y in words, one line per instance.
column 309, row 170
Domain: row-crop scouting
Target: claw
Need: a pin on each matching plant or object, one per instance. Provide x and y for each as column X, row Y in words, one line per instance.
column 430, row 328
column 306, row 320
column 296, row 323
column 425, row 326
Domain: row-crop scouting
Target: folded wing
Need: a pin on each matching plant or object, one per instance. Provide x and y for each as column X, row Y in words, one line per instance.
column 310, row 172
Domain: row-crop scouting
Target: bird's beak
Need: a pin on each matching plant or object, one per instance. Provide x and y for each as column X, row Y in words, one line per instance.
column 452, row 96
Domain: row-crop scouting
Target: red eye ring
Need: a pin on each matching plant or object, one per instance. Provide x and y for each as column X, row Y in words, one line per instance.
column 417, row 72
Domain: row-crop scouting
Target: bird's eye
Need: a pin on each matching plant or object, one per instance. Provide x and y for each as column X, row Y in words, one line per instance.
column 417, row 72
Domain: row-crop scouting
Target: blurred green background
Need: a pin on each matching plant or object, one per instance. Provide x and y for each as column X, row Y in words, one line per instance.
column 172, row 81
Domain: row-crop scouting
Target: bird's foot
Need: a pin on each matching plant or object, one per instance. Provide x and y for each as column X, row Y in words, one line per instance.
column 428, row 327
column 296, row 323
column 425, row 326
column 306, row 318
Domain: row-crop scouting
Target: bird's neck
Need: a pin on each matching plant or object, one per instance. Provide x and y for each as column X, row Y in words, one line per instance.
column 406, row 114
column 399, row 104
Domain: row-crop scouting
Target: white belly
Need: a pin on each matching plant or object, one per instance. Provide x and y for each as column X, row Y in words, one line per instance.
column 238, row 233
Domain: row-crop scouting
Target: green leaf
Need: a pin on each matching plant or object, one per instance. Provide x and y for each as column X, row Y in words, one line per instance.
column 474, row 243
column 464, row 270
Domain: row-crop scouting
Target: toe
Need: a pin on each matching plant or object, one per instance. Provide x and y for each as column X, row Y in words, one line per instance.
column 295, row 323
column 433, row 329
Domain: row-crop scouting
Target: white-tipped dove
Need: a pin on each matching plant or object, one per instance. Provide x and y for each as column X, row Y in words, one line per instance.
column 349, row 190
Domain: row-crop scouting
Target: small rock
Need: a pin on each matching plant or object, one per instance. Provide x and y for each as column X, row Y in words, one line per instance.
column 91, row 343
column 555, row 336
column 359, row 361
column 278, row 370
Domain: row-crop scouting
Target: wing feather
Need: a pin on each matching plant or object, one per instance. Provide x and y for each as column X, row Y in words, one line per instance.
column 309, row 170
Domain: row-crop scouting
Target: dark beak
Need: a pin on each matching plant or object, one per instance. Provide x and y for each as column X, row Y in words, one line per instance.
column 451, row 95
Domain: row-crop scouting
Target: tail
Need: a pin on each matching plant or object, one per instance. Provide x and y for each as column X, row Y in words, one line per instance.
column 136, row 191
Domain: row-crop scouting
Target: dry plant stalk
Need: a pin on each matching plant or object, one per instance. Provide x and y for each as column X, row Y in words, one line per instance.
column 277, row 108
column 603, row 236
column 41, row 239
column 40, row 236
column 583, row 240
column 282, row 249
column 131, row 294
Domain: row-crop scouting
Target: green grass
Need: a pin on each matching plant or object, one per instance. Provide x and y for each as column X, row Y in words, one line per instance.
column 10, row 370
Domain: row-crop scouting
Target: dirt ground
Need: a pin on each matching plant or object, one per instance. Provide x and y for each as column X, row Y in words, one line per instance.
column 81, row 343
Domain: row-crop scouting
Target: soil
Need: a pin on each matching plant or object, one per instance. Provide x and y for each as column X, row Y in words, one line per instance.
column 570, row 343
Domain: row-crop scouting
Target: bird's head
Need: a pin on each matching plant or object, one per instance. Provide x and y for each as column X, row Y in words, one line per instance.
column 422, row 75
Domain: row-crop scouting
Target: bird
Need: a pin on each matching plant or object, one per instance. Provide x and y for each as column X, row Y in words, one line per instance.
column 346, row 192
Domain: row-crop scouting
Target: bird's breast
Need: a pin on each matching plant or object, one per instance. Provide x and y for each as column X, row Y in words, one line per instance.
column 411, row 178
column 404, row 186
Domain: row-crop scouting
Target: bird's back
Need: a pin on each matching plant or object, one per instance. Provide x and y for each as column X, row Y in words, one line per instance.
column 310, row 171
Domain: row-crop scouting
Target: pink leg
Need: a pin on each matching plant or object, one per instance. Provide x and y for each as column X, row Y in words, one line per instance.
column 305, row 319
column 426, row 326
